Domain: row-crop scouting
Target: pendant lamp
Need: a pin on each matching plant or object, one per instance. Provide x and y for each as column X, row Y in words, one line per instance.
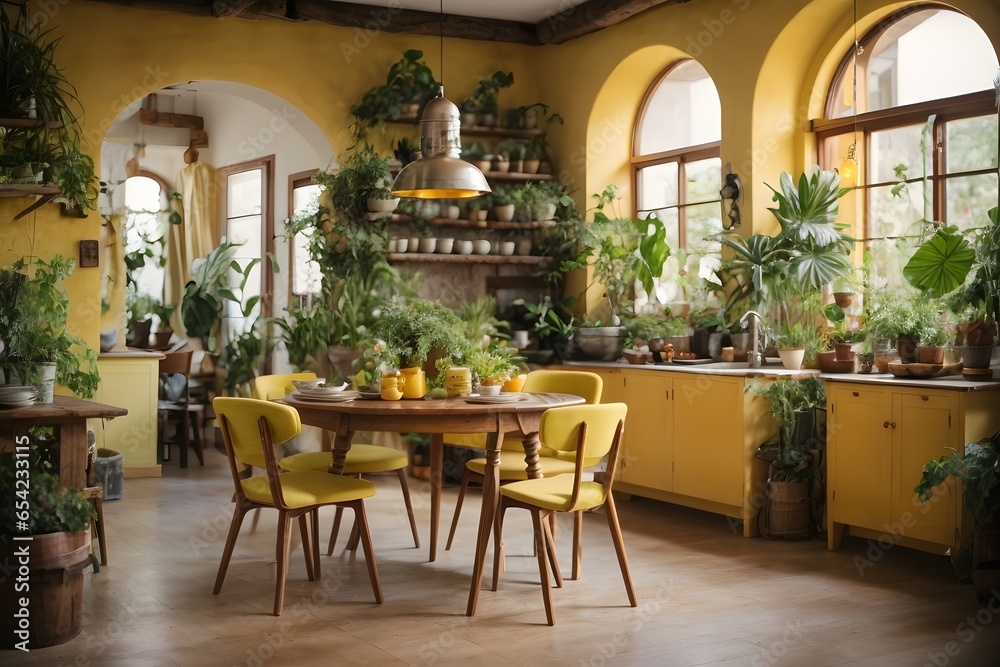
column 439, row 172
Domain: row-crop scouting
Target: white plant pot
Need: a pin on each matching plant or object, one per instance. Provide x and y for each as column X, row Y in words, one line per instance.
column 401, row 245
column 791, row 357
column 382, row 205
column 507, row 247
column 452, row 212
column 490, row 389
column 445, row 246
column 393, row 245
column 504, row 213
column 428, row 245
column 481, row 247
column 46, row 384
column 462, row 247
column 413, row 245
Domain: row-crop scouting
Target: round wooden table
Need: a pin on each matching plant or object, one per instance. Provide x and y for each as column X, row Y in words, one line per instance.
column 437, row 417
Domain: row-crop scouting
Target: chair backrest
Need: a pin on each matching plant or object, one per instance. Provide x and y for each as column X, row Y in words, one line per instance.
column 587, row 386
column 584, row 384
column 240, row 423
column 271, row 387
column 596, row 428
column 177, row 362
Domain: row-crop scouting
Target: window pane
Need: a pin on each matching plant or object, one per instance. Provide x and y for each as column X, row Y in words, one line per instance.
column 704, row 178
column 145, row 229
column 305, row 272
column 900, row 67
column 247, row 231
column 704, row 223
column 971, row 144
column 969, row 198
column 658, row 186
column 893, row 216
column 244, row 193
column 684, row 110
column 889, row 148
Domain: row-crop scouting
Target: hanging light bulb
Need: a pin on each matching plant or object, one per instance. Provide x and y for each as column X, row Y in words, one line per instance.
column 438, row 172
column 848, row 169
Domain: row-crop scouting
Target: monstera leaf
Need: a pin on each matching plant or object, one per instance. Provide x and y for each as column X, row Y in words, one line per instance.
column 942, row 264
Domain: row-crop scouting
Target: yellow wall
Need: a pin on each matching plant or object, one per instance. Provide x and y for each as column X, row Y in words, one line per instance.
column 771, row 62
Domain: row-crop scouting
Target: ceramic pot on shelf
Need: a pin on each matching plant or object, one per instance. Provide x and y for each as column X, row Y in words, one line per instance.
column 791, row 357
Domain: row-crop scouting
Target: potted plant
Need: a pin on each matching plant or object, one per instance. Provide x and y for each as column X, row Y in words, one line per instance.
column 515, row 150
column 492, row 367
column 139, row 310
column 793, row 476
column 57, row 520
column 502, row 200
column 476, row 154
column 409, row 83
column 902, row 313
column 40, row 348
column 361, row 187
column 163, row 313
column 977, row 468
column 411, row 328
column 484, row 98
column 793, row 340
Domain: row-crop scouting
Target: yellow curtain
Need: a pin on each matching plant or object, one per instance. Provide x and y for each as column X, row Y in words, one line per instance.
column 113, row 261
column 195, row 236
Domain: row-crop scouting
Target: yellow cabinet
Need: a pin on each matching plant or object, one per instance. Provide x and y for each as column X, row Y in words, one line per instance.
column 130, row 380
column 878, row 439
column 647, row 447
column 708, row 438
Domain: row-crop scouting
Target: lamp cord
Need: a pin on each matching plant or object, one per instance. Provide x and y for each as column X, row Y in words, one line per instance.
column 441, row 38
column 854, row 88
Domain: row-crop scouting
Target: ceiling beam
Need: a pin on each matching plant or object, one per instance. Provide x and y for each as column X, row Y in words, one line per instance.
column 382, row 19
column 592, row 16
column 224, row 8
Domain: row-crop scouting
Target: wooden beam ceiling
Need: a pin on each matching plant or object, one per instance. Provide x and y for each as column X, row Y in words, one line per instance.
column 569, row 24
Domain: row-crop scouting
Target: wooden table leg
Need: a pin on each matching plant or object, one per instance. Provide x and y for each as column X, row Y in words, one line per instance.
column 341, row 445
column 73, row 455
column 491, row 496
column 437, row 471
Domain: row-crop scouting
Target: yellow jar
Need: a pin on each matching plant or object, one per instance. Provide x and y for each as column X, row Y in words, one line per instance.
column 392, row 386
column 515, row 384
column 415, row 382
column 458, row 381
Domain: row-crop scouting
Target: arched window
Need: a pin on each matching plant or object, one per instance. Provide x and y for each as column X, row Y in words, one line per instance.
column 146, row 220
column 916, row 105
column 676, row 163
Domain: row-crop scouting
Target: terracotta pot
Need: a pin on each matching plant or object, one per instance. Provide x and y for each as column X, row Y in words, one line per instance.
column 930, row 354
column 843, row 299
column 843, row 351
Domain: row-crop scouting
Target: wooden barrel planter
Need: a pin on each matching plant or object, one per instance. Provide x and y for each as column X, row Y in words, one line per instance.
column 55, row 596
column 788, row 510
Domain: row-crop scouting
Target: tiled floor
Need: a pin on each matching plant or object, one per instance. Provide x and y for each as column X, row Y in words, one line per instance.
column 706, row 595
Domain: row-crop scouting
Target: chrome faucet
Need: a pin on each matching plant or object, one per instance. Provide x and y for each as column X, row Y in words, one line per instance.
column 755, row 355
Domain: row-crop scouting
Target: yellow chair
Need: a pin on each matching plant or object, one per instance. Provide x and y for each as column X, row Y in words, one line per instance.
column 250, row 429
column 512, row 466
column 361, row 459
column 589, row 432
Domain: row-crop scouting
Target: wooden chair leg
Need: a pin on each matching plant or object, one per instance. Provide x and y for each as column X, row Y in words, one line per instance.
column 616, row 537
column 577, row 546
column 99, row 523
column 336, row 529
column 466, row 477
column 352, row 541
column 314, row 541
column 550, row 551
column 255, row 520
column 306, row 549
column 184, row 439
column 543, row 570
column 498, row 541
column 196, row 428
column 227, row 552
column 409, row 508
column 361, row 522
column 282, row 555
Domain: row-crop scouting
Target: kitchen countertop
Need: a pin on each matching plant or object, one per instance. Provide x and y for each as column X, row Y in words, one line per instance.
column 773, row 368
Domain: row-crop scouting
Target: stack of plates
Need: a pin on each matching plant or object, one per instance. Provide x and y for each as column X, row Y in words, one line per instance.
column 511, row 397
column 325, row 394
column 17, row 396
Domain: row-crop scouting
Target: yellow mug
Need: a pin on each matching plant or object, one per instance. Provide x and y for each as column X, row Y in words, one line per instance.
column 414, row 382
column 392, row 386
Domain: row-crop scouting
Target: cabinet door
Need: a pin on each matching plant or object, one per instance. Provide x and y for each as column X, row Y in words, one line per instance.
column 131, row 384
column 859, row 449
column 922, row 431
column 708, row 438
column 647, row 447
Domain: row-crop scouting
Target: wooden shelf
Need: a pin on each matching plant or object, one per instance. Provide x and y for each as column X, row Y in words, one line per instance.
column 30, row 123
column 479, row 130
column 451, row 223
column 45, row 193
column 435, row 258
column 516, row 176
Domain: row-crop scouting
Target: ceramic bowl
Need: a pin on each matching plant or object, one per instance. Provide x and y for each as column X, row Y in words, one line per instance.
column 309, row 384
column 428, row 245
column 445, row 246
column 462, row 247
column 481, row 247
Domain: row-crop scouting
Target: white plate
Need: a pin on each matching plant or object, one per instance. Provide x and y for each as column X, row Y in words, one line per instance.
column 17, row 392
column 511, row 397
column 322, row 391
column 337, row 397
column 16, row 404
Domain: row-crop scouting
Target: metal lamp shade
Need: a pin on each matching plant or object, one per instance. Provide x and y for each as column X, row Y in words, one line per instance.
column 439, row 172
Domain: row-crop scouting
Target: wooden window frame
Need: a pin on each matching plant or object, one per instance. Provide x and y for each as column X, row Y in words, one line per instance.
column 297, row 180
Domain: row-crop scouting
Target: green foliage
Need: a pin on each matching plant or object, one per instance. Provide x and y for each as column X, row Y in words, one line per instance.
column 242, row 358
column 902, row 311
column 493, row 365
column 942, row 264
column 624, row 250
column 798, row 335
column 479, row 319
column 978, row 468
column 306, row 333
column 362, row 176
column 787, row 398
column 33, row 322
column 412, row 327
column 49, row 509
column 549, row 319
column 484, row 98
column 650, row 326
column 408, row 81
